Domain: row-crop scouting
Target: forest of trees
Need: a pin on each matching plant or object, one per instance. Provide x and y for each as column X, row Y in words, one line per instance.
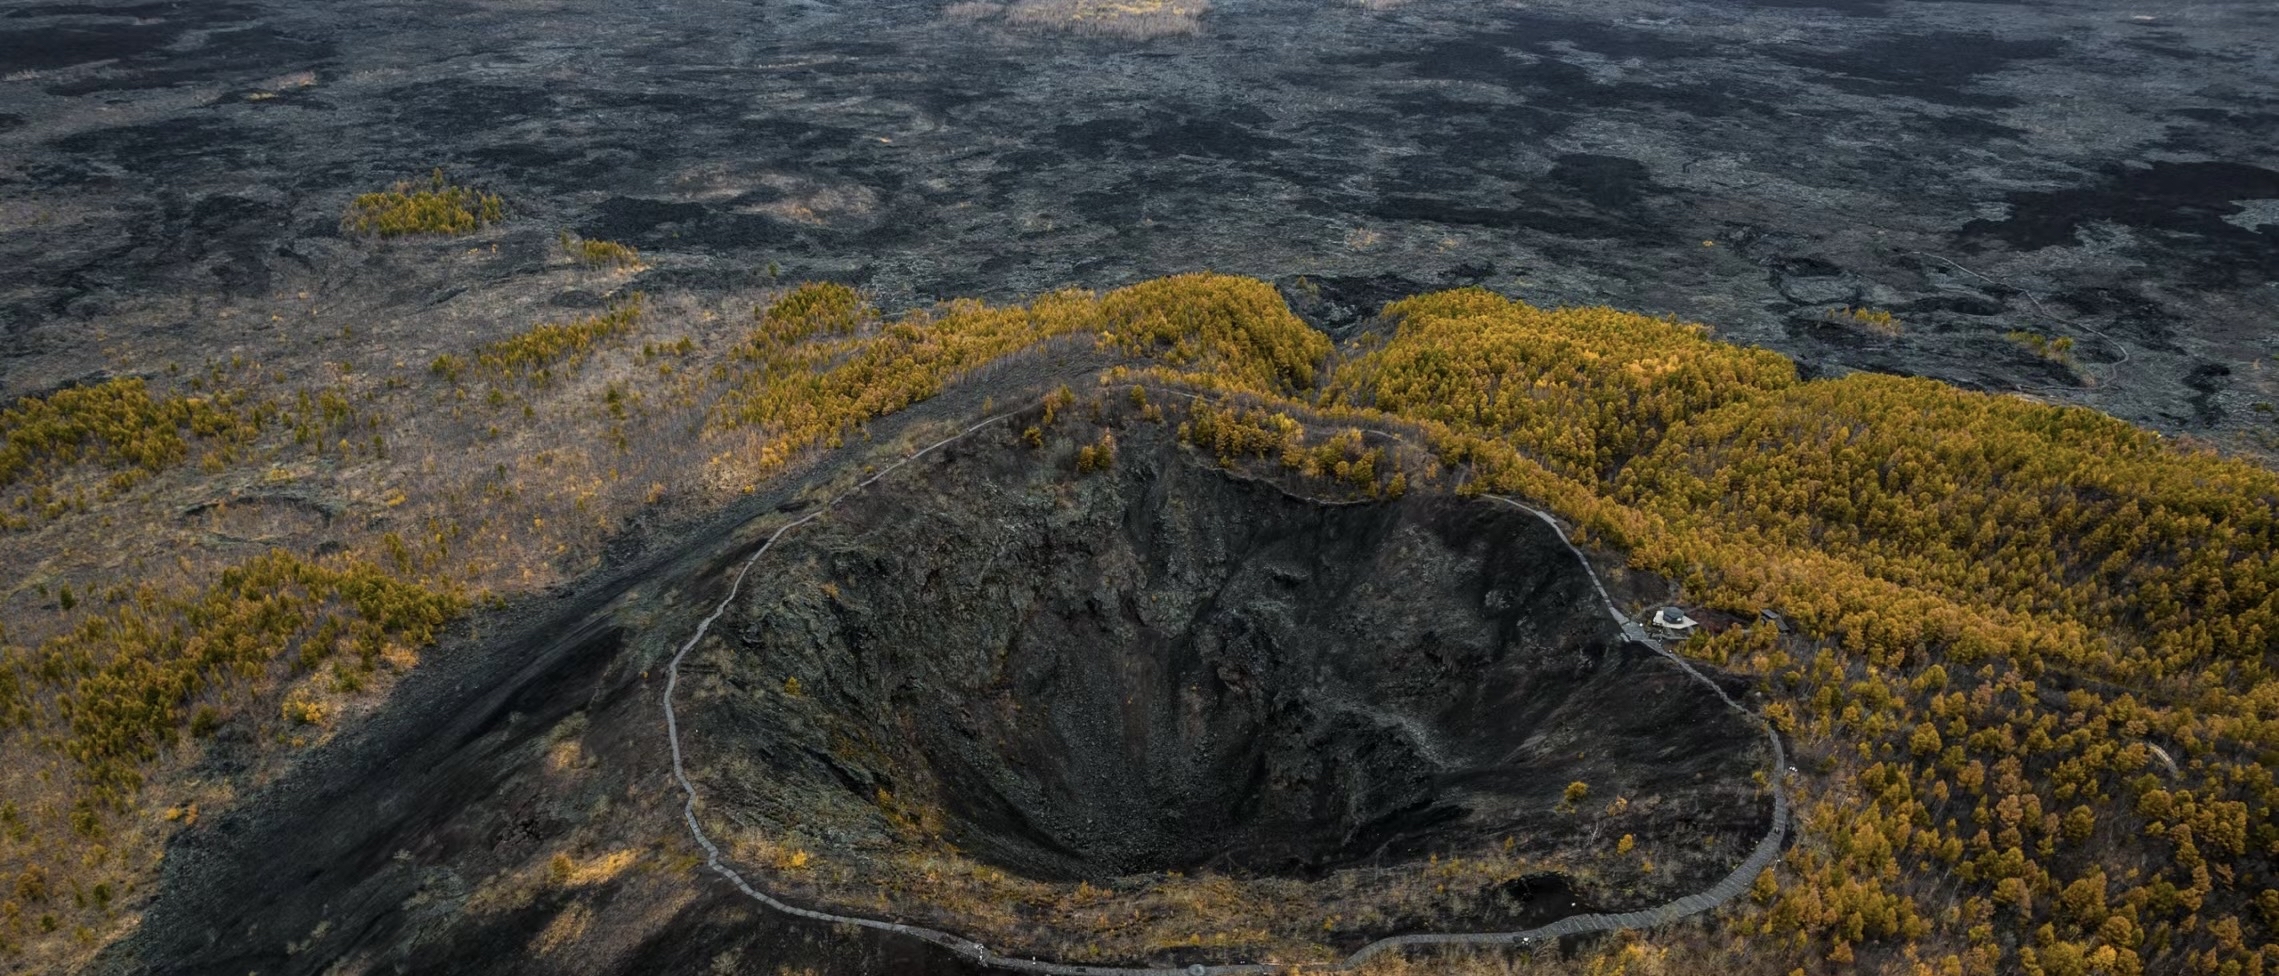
column 2019, row 612
column 821, row 361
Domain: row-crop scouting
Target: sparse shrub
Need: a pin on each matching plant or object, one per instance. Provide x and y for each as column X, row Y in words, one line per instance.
column 1057, row 401
column 1098, row 456
column 301, row 711
column 437, row 207
column 2059, row 350
column 598, row 253
column 533, row 354
column 1874, row 320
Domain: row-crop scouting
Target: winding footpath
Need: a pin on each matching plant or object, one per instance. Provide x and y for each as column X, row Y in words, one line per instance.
column 1731, row 886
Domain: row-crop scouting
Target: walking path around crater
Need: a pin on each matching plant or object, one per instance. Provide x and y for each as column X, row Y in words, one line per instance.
column 1733, row 885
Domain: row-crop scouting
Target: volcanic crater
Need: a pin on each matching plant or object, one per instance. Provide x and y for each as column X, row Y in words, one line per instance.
column 1163, row 668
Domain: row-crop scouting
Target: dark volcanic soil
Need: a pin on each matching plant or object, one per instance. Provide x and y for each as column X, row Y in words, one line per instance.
column 2096, row 170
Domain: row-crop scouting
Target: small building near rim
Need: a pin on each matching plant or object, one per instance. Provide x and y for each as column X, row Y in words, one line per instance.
column 1674, row 622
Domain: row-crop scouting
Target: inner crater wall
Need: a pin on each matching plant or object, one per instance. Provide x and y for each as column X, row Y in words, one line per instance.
column 1164, row 666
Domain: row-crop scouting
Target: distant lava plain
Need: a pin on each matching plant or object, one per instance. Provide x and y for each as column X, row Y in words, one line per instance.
column 2099, row 172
